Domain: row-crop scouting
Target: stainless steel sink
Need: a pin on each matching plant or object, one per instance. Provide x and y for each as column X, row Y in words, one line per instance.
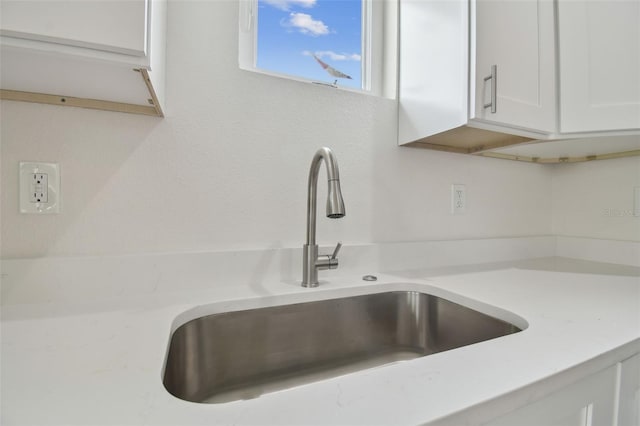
column 240, row 355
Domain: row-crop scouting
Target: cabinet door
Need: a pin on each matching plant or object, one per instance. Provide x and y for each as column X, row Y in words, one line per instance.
column 599, row 44
column 588, row 402
column 518, row 38
column 110, row 25
column 629, row 406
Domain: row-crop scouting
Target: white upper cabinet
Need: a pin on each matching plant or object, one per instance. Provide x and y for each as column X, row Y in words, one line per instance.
column 102, row 54
column 481, row 76
column 516, row 40
column 433, row 62
column 447, row 48
column 599, row 43
column 116, row 26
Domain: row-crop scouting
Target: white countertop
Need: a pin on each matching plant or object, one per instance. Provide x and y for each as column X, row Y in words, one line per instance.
column 100, row 361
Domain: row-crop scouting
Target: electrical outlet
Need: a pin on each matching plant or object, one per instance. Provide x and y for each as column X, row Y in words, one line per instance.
column 39, row 187
column 458, row 199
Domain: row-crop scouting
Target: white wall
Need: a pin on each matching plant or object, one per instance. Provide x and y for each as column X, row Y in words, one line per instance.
column 227, row 167
column 595, row 199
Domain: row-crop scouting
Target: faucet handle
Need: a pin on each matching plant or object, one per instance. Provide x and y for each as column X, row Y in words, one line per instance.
column 337, row 249
column 326, row 261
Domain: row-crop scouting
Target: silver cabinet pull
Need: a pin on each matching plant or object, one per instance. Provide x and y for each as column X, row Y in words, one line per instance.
column 494, row 88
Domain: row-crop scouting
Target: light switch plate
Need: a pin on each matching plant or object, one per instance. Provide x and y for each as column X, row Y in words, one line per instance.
column 39, row 188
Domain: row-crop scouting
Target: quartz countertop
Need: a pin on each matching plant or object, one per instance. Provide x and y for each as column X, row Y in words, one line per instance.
column 100, row 361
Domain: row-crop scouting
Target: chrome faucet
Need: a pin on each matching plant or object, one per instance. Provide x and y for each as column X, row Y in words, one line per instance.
column 311, row 262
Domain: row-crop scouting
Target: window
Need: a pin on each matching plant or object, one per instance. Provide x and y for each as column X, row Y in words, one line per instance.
column 330, row 42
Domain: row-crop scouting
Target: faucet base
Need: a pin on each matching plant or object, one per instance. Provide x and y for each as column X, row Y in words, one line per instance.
column 309, row 270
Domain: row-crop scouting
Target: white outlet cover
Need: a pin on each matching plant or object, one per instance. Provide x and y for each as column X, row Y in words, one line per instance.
column 458, row 199
column 53, row 200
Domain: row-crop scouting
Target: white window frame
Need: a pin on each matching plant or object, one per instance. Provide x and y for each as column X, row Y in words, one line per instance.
column 378, row 36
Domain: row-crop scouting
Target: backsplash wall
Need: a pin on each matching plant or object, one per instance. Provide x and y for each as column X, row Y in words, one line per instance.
column 595, row 199
column 227, row 168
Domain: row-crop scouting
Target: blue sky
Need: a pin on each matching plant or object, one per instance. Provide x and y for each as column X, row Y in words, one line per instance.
column 290, row 31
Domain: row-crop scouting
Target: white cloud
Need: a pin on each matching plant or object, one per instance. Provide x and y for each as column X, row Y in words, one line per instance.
column 334, row 56
column 286, row 4
column 305, row 24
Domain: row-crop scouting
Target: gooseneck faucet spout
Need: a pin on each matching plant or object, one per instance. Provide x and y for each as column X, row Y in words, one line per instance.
column 311, row 262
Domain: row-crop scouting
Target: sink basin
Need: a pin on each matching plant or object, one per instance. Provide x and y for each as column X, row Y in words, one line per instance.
column 243, row 354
